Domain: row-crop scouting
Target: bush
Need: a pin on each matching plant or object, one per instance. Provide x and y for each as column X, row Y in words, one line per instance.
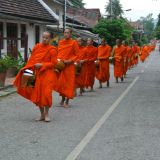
column 4, row 64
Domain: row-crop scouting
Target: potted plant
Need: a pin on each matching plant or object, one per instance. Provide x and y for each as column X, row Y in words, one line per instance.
column 12, row 66
column 3, row 70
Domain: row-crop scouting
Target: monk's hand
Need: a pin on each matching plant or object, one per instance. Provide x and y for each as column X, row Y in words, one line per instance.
column 38, row 65
column 82, row 61
column 68, row 61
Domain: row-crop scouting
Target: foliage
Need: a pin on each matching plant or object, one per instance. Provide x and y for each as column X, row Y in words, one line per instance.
column 4, row 64
column 148, row 26
column 21, row 62
column 12, row 62
column 9, row 62
column 114, row 8
column 157, row 30
column 113, row 29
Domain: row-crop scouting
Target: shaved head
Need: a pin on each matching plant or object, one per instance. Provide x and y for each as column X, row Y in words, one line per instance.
column 67, row 33
column 46, row 37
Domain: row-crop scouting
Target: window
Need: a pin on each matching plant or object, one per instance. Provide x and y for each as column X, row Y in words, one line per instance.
column 12, row 42
column 37, row 34
column 23, row 33
column 1, row 33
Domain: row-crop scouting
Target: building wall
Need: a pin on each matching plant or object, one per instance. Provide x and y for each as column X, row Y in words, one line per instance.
column 58, row 9
column 30, row 31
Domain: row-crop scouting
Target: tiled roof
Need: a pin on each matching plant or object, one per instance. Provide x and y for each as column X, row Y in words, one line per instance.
column 89, row 17
column 29, row 9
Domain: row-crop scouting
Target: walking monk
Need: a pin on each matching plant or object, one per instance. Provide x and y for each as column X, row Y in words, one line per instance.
column 81, row 61
column 117, row 53
column 104, row 52
column 42, row 61
column 91, row 52
column 125, row 55
column 67, row 52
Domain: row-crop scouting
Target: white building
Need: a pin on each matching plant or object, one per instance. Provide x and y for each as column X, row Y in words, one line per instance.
column 20, row 18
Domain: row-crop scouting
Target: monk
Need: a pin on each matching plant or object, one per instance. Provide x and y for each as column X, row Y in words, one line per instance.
column 135, row 53
column 103, row 73
column 117, row 53
column 129, row 56
column 67, row 52
column 144, row 53
column 125, row 57
column 42, row 61
column 81, row 61
column 91, row 52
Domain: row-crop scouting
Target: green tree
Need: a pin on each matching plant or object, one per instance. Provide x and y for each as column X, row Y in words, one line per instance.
column 114, row 8
column 113, row 29
column 148, row 26
column 157, row 30
column 78, row 3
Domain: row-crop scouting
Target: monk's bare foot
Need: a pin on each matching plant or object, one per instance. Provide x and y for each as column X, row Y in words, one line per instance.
column 107, row 83
column 47, row 119
column 66, row 105
column 116, row 80
column 61, row 103
column 40, row 119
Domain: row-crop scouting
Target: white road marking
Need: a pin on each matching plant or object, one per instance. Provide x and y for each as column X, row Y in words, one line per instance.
column 79, row 148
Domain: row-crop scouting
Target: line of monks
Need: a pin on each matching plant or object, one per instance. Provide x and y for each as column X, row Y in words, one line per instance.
column 73, row 65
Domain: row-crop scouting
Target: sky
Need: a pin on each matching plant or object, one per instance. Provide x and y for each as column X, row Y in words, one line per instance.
column 140, row 8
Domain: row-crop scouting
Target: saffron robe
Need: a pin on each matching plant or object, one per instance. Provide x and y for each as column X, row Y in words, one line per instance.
column 67, row 50
column 80, row 78
column 118, row 64
column 103, row 73
column 91, row 52
column 46, row 78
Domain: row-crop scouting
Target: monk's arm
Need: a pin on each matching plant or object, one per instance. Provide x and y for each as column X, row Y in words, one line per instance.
column 112, row 53
column 95, row 55
column 52, row 62
column 76, row 51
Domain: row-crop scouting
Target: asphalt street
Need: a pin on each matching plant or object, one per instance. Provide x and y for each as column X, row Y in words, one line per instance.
column 121, row 122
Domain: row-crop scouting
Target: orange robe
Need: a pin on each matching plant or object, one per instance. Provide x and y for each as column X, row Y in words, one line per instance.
column 125, row 59
column 46, row 79
column 118, row 65
column 135, row 54
column 80, row 79
column 144, row 53
column 129, row 56
column 67, row 50
column 103, row 73
column 91, row 52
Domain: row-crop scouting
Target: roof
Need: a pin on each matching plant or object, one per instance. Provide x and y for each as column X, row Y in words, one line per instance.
column 137, row 25
column 63, row 1
column 89, row 17
column 28, row 9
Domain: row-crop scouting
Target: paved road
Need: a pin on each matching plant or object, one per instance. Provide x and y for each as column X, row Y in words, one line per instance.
column 117, row 123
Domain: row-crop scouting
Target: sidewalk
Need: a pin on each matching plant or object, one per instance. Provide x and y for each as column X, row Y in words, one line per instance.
column 8, row 88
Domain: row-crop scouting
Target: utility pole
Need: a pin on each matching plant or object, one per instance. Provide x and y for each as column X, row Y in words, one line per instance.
column 64, row 18
column 111, row 11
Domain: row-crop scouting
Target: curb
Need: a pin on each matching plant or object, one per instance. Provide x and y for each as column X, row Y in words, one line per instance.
column 5, row 91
